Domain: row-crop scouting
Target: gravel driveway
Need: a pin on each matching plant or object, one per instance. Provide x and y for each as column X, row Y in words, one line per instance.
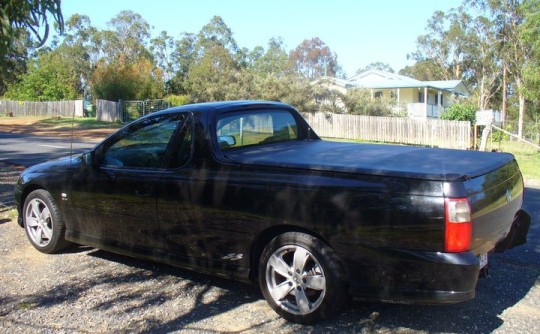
column 86, row 290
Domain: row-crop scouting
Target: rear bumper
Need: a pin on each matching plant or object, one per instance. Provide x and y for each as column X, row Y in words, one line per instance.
column 416, row 277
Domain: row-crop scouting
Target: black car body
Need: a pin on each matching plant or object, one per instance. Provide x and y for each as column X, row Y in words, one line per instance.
column 226, row 188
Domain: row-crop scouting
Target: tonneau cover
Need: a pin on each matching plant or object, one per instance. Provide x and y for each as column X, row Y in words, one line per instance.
column 386, row 160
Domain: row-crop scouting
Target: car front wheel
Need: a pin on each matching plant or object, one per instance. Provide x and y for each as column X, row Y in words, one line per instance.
column 302, row 278
column 43, row 222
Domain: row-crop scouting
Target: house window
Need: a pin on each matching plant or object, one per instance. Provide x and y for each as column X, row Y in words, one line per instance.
column 378, row 94
column 421, row 97
column 437, row 99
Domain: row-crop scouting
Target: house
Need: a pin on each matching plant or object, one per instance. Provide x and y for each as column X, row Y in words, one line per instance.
column 410, row 94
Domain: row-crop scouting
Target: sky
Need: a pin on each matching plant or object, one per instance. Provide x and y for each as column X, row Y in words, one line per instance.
column 360, row 32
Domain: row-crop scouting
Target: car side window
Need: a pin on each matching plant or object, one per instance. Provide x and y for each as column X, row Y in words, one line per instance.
column 256, row 128
column 183, row 144
column 144, row 144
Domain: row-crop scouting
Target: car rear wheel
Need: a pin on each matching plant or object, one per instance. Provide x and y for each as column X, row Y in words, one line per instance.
column 43, row 222
column 302, row 278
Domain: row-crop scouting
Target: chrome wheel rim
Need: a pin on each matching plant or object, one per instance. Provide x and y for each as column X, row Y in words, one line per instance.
column 295, row 280
column 38, row 222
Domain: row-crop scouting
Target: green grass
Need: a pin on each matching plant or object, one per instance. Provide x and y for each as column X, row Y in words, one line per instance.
column 527, row 157
column 77, row 122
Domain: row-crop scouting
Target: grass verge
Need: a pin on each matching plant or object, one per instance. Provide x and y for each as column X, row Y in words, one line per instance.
column 77, row 122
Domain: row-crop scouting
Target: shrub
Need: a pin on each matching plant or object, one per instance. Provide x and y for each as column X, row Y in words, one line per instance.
column 460, row 112
column 177, row 100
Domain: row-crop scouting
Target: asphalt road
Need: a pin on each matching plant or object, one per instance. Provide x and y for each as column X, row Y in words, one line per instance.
column 27, row 150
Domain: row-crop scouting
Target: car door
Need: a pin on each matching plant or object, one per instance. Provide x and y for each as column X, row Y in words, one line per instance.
column 114, row 199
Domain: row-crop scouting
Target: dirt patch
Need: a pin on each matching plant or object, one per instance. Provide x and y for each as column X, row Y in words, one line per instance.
column 33, row 126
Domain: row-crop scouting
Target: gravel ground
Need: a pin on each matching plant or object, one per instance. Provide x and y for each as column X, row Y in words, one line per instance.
column 85, row 290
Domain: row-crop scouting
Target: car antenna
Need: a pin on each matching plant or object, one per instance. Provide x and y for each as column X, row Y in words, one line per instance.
column 71, row 141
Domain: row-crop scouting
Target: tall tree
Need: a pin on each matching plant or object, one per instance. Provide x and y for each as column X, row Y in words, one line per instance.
column 508, row 16
column 529, row 34
column 213, row 77
column 275, row 59
column 216, row 33
column 79, row 45
column 442, row 45
column 314, row 59
column 162, row 48
column 424, row 70
column 127, row 39
column 483, row 61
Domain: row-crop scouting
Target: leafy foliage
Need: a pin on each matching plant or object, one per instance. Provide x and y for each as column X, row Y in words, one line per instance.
column 124, row 80
column 460, row 112
column 30, row 15
column 313, row 58
column 48, row 79
column 361, row 102
column 177, row 100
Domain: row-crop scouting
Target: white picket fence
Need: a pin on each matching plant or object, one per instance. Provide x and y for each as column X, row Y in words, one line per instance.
column 400, row 130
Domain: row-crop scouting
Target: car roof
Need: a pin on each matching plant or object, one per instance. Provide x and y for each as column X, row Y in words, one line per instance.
column 224, row 106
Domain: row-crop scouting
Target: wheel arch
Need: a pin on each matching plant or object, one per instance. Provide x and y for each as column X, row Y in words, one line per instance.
column 24, row 194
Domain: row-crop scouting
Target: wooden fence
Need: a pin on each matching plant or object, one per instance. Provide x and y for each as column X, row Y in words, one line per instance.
column 400, row 130
column 108, row 111
column 46, row 109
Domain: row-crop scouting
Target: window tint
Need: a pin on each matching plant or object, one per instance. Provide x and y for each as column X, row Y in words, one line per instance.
column 256, row 128
column 144, row 144
column 183, row 145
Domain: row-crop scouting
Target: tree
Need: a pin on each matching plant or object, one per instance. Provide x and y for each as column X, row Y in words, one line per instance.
column 213, row 77
column 442, row 45
column 274, row 61
column 14, row 62
column 30, row 15
column 376, row 66
column 162, row 48
column 213, row 34
column 529, row 35
column 80, row 49
column 191, row 49
column 123, row 80
column 48, row 79
column 314, row 59
column 423, row 70
column 508, row 16
column 483, row 60
column 127, row 39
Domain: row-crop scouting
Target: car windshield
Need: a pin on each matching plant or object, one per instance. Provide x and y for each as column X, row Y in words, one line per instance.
column 256, row 128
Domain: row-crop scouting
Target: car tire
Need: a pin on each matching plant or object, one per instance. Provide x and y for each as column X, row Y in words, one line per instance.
column 43, row 222
column 302, row 278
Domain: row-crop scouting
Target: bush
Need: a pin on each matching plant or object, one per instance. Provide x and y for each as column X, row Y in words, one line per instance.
column 460, row 112
column 177, row 100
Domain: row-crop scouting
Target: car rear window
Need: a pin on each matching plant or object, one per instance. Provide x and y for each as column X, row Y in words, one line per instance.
column 256, row 128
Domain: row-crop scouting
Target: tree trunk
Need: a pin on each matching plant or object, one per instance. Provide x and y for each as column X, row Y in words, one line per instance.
column 504, row 102
column 521, row 115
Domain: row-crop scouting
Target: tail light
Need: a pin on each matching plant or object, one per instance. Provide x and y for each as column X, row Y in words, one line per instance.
column 458, row 225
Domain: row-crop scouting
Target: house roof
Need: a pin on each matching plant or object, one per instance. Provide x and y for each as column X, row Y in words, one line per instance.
column 375, row 79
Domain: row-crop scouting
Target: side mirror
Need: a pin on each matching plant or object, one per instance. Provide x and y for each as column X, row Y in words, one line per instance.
column 88, row 158
column 226, row 141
